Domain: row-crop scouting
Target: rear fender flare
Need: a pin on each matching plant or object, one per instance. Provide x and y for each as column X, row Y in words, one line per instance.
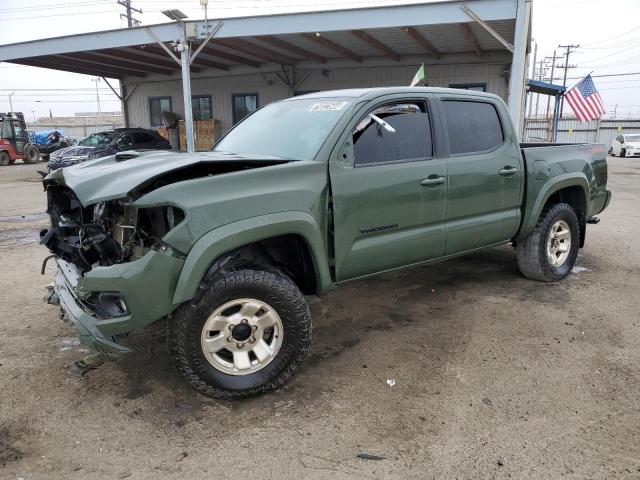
column 237, row 234
column 550, row 187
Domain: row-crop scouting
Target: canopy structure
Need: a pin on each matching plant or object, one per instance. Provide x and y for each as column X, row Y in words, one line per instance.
column 556, row 91
column 435, row 31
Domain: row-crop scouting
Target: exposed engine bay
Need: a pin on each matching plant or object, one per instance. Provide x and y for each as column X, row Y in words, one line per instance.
column 105, row 233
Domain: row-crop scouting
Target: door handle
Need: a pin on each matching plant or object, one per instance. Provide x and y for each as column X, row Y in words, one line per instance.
column 432, row 181
column 508, row 171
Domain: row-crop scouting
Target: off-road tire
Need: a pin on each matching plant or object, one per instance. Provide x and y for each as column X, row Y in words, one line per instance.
column 4, row 158
column 233, row 281
column 531, row 252
column 31, row 154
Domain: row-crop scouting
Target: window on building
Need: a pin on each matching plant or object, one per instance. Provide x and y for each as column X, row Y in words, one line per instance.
column 157, row 105
column 411, row 140
column 477, row 87
column 472, row 126
column 201, row 105
column 243, row 105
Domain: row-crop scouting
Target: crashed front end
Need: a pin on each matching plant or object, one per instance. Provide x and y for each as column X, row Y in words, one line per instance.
column 115, row 272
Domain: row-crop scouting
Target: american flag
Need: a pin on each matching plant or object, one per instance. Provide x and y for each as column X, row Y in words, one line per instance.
column 585, row 101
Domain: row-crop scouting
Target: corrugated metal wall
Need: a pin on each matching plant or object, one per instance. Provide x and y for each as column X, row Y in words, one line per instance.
column 270, row 88
column 574, row 131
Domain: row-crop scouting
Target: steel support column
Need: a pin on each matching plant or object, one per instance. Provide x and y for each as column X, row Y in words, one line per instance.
column 186, row 92
column 517, row 77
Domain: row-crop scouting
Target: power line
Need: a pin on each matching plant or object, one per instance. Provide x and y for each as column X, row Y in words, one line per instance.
column 58, row 15
column 611, row 38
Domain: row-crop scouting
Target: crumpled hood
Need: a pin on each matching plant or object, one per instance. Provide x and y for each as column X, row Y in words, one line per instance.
column 74, row 151
column 107, row 179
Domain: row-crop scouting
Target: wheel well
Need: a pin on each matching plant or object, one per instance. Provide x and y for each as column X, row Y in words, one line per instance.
column 288, row 253
column 575, row 197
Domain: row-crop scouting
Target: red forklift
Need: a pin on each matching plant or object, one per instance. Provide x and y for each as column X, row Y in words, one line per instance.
column 14, row 140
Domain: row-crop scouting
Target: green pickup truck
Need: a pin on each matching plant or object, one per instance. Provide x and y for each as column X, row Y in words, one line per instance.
column 300, row 197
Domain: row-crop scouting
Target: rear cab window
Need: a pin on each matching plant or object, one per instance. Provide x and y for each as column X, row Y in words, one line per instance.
column 410, row 139
column 473, row 126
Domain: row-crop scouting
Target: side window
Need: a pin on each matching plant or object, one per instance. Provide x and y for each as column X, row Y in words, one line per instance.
column 243, row 105
column 7, row 131
column 157, row 105
column 473, row 126
column 201, row 106
column 142, row 137
column 124, row 142
column 411, row 140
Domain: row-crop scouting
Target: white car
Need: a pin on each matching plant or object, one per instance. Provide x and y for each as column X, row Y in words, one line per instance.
column 626, row 145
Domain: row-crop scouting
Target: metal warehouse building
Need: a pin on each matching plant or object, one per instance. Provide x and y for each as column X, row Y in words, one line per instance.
column 224, row 69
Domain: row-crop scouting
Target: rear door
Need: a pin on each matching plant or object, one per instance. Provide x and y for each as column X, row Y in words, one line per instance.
column 388, row 191
column 485, row 173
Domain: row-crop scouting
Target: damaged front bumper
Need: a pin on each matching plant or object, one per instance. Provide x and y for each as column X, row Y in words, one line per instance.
column 85, row 324
column 146, row 286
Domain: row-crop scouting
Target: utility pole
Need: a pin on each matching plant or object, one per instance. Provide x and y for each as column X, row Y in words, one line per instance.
column 554, row 58
column 568, row 51
column 541, row 71
column 10, row 101
column 96, row 81
column 131, row 22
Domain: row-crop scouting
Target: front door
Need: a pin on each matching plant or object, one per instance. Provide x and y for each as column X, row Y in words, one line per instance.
column 19, row 136
column 388, row 192
column 485, row 175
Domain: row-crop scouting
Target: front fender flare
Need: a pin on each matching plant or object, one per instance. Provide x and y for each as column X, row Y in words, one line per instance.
column 237, row 234
column 551, row 186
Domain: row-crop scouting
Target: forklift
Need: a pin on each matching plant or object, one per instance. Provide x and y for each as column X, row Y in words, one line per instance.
column 14, row 140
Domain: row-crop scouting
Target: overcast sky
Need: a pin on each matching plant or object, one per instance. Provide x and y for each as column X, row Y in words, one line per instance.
column 607, row 31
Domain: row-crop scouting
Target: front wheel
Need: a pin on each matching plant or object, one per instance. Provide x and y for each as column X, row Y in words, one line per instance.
column 623, row 153
column 31, row 154
column 245, row 335
column 549, row 253
column 4, row 158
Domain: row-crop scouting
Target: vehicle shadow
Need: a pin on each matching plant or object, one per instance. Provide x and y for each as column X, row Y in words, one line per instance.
column 427, row 300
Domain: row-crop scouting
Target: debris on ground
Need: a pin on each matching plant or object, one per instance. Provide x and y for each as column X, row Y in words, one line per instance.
column 487, row 401
column 368, row 456
column 391, row 382
column 577, row 269
column 182, row 456
column 500, row 462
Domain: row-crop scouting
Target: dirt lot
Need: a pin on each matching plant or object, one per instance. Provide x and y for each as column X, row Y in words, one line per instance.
column 496, row 376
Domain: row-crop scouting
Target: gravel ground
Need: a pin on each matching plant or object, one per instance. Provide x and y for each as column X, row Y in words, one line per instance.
column 496, row 376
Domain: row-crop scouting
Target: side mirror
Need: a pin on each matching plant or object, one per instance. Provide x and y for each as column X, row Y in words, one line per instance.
column 121, row 157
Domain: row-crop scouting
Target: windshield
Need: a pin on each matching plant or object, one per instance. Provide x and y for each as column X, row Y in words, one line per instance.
column 632, row 138
column 294, row 129
column 98, row 139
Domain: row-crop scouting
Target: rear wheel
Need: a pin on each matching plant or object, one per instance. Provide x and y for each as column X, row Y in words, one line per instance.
column 549, row 253
column 4, row 158
column 246, row 334
column 31, row 154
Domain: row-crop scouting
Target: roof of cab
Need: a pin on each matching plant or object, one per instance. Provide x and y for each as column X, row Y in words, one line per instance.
column 380, row 91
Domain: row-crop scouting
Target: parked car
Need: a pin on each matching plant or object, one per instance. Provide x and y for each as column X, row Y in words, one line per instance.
column 106, row 143
column 300, row 197
column 15, row 141
column 50, row 141
column 626, row 145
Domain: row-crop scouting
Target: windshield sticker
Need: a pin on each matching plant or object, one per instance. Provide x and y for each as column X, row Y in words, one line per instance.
column 327, row 106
